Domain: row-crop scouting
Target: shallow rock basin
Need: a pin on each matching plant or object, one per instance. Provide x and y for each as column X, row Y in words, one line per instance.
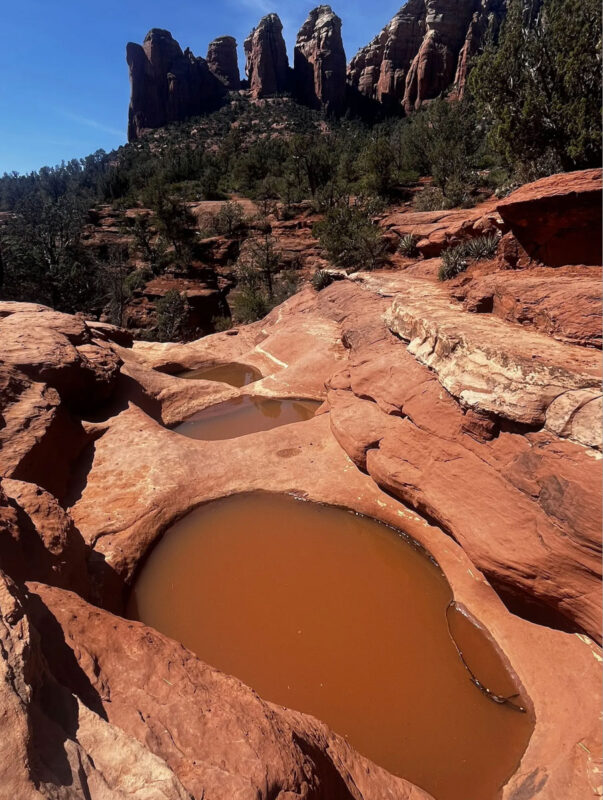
column 243, row 415
column 237, row 375
column 339, row 616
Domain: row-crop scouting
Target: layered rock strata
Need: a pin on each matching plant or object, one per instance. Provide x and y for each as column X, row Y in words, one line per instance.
column 320, row 65
column 474, row 433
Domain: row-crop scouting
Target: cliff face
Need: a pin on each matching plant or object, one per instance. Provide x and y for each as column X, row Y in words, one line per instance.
column 167, row 84
column 267, row 63
column 320, row 65
column 423, row 51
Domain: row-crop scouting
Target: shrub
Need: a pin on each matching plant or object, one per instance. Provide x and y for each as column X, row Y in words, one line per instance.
column 249, row 304
column 229, row 218
column 351, row 238
column 482, row 247
column 429, row 199
column 172, row 316
column 408, row 246
column 456, row 259
column 321, row 279
column 138, row 279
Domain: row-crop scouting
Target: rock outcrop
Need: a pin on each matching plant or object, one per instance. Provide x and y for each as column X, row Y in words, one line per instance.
column 319, row 64
column 223, row 61
column 557, row 220
column 425, row 50
column 378, row 71
column 168, row 85
column 267, row 63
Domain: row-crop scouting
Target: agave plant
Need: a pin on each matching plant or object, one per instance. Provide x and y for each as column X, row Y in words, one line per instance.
column 482, row 247
column 454, row 261
column 408, row 246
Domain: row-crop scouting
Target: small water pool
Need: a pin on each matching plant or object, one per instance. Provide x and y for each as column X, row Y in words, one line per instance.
column 339, row 616
column 243, row 415
column 237, row 375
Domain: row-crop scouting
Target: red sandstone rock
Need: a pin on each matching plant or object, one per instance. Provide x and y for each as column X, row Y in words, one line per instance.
column 223, row 61
column 564, row 303
column 267, row 64
column 378, row 71
column 320, row 65
column 57, row 349
column 216, row 736
column 424, row 50
column 437, row 230
column 167, row 84
column 558, row 219
column 38, row 540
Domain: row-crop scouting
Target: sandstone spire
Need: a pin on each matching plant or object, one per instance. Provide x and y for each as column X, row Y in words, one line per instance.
column 320, row 65
column 267, row 64
column 223, row 61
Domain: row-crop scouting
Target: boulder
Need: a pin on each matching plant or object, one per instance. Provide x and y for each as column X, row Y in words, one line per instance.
column 267, row 64
column 38, row 540
column 58, row 350
column 168, row 85
column 557, row 220
column 320, row 65
column 223, row 61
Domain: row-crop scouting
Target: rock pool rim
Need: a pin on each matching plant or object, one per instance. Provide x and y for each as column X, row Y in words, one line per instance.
column 461, row 608
column 242, row 395
column 180, row 371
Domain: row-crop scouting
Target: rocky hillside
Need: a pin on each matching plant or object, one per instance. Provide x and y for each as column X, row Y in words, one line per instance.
column 425, row 50
column 465, row 412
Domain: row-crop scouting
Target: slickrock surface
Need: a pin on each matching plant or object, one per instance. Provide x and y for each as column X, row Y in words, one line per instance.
column 168, row 85
column 469, row 420
column 320, row 65
column 267, row 63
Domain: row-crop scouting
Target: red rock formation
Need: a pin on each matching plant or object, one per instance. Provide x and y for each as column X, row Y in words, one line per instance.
column 267, row 64
column 557, row 220
column 320, row 65
column 167, row 84
column 378, row 71
column 425, row 50
column 223, row 61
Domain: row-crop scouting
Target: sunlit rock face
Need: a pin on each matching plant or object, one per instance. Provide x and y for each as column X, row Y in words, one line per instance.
column 423, row 51
column 320, row 64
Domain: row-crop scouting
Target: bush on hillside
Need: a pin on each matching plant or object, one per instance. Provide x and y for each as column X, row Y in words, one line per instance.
column 351, row 238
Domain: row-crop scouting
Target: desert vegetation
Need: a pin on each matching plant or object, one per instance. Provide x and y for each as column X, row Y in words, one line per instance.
column 532, row 108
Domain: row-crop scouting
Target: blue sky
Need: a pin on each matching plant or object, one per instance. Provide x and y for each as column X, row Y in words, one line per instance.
column 64, row 87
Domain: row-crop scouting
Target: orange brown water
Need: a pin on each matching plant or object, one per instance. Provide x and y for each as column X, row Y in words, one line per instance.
column 234, row 374
column 338, row 616
column 244, row 415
